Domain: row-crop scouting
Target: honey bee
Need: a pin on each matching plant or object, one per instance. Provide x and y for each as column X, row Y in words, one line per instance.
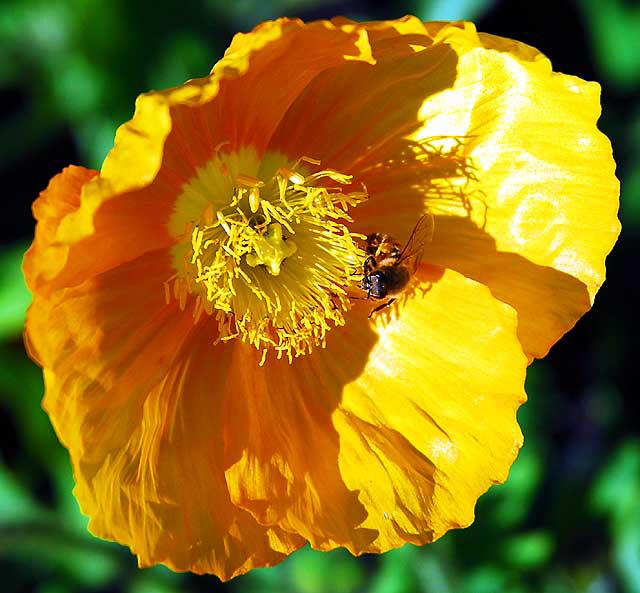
column 388, row 268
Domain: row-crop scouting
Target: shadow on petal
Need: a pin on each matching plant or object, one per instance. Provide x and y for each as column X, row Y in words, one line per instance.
column 389, row 456
column 435, row 175
column 430, row 422
column 281, row 447
column 548, row 301
column 348, row 117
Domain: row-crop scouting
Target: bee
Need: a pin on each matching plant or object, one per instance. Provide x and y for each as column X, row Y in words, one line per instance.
column 389, row 267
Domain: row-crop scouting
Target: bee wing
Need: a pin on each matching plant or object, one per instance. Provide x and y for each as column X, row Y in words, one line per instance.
column 421, row 234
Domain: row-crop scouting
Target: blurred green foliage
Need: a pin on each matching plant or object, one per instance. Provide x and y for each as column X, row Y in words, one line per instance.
column 614, row 26
column 568, row 519
column 14, row 296
column 451, row 10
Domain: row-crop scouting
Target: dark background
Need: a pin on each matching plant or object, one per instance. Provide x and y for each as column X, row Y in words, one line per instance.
column 568, row 519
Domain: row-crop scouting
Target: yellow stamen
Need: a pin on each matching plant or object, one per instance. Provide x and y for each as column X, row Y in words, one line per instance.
column 244, row 266
column 254, row 199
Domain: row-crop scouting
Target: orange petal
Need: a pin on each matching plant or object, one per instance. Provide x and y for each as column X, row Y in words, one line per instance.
column 368, row 445
column 78, row 236
column 430, row 423
column 285, row 56
column 125, row 211
column 282, row 450
column 347, row 115
column 46, row 257
column 133, row 389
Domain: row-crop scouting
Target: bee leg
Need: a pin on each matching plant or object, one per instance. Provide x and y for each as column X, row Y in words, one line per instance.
column 380, row 307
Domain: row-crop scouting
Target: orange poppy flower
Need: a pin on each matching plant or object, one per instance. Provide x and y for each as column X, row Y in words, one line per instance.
column 210, row 357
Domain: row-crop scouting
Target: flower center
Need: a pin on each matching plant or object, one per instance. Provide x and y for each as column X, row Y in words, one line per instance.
column 269, row 255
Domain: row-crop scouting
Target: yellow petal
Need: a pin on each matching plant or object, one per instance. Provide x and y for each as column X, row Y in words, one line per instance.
column 430, row 423
column 196, row 457
column 133, row 390
column 368, row 445
column 544, row 184
column 479, row 128
column 548, row 300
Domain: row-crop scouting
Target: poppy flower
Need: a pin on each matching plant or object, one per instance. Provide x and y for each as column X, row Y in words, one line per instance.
column 210, row 356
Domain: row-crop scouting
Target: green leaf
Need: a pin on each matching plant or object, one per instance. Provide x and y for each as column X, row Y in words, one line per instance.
column 157, row 579
column 616, row 494
column 46, row 543
column 513, row 499
column 617, row 489
column 485, row 579
column 182, row 58
column 435, row 576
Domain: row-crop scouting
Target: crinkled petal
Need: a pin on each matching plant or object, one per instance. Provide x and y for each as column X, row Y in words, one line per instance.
column 347, row 116
column 282, row 450
column 430, row 423
column 134, row 390
column 174, row 132
column 476, row 127
column 46, row 256
column 376, row 441
column 543, row 184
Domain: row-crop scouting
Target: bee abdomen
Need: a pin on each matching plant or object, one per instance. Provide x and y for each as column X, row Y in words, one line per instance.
column 397, row 278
